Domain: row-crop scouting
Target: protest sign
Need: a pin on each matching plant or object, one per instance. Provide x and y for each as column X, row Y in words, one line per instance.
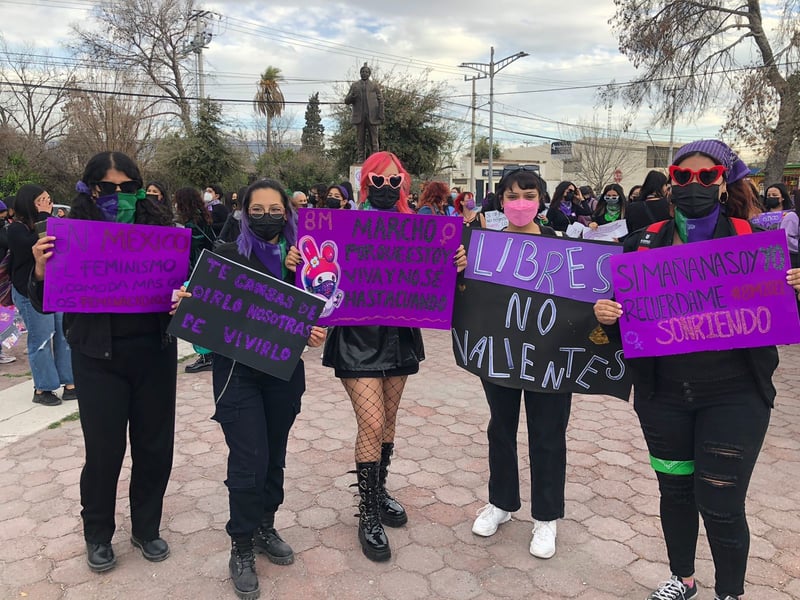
column 9, row 333
column 379, row 268
column 523, row 315
column 495, row 220
column 99, row 266
column 769, row 220
column 575, row 230
column 716, row 295
column 608, row 232
column 246, row 315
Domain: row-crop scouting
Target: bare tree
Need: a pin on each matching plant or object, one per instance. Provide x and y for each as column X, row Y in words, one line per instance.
column 151, row 38
column 32, row 94
column 695, row 52
column 598, row 151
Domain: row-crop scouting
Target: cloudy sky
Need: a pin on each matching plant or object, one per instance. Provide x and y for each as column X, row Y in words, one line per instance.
column 320, row 45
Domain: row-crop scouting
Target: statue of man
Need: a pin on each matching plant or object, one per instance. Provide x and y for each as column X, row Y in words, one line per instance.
column 367, row 101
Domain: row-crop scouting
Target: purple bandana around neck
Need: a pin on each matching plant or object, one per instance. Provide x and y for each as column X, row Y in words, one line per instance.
column 269, row 255
column 566, row 208
column 702, row 229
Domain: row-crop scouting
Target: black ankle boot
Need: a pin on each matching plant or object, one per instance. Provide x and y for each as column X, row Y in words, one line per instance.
column 242, row 566
column 267, row 541
column 373, row 538
column 391, row 511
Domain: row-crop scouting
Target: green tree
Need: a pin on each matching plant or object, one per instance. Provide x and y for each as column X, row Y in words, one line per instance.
column 413, row 128
column 313, row 137
column 269, row 100
column 296, row 170
column 482, row 150
column 204, row 155
column 691, row 54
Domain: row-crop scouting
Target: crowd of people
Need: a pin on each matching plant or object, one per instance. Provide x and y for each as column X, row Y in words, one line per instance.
column 704, row 415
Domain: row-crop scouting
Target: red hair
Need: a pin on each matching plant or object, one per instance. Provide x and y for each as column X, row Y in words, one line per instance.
column 378, row 163
column 458, row 203
column 435, row 193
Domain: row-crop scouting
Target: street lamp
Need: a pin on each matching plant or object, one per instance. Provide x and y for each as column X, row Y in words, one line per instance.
column 489, row 70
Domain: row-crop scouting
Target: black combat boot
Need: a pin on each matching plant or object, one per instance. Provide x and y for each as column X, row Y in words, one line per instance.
column 373, row 538
column 391, row 511
column 242, row 566
column 267, row 541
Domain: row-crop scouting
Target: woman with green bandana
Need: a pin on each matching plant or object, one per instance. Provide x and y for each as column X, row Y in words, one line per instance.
column 610, row 206
column 704, row 415
column 125, row 368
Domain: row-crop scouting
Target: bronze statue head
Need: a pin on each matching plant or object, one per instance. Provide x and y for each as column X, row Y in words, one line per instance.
column 365, row 72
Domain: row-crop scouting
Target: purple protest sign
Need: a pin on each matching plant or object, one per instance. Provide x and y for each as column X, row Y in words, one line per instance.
column 379, row 268
column 551, row 265
column 769, row 220
column 99, row 266
column 717, row 295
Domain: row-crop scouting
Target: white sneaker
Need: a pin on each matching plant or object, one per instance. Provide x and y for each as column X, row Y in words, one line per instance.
column 543, row 543
column 489, row 519
column 5, row 358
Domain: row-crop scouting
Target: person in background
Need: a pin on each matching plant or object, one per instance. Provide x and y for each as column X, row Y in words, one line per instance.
column 48, row 352
column 567, row 207
column 4, row 358
column 125, row 369
column 336, row 197
column 633, row 194
column 655, row 206
column 610, row 206
column 776, row 199
column 316, row 195
column 433, row 200
column 348, row 192
column 589, row 199
column 230, row 231
column 703, row 414
column 212, row 197
column 467, row 207
column 299, row 200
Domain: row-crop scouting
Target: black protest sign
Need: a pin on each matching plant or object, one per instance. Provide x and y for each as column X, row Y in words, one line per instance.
column 246, row 315
column 544, row 341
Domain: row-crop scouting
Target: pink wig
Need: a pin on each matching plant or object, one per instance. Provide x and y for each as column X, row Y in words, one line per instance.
column 377, row 163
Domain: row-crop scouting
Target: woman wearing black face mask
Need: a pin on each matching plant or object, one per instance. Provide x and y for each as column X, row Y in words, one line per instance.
column 704, row 415
column 256, row 410
column 567, row 207
column 778, row 203
column 373, row 363
column 336, row 197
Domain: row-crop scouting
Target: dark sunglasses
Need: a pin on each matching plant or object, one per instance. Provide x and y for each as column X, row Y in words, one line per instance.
column 126, row 187
column 705, row 177
column 393, row 181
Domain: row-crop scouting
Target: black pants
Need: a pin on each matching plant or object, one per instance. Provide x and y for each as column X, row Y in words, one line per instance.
column 256, row 412
column 132, row 393
column 722, row 432
column 547, row 415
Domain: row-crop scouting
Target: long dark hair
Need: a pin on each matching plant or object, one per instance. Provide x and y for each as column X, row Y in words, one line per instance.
column 653, row 185
column 246, row 238
column 600, row 209
column 561, row 191
column 84, row 205
column 190, row 207
column 25, row 210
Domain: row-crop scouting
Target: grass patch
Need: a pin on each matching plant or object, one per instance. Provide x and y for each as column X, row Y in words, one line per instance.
column 71, row 417
column 11, row 375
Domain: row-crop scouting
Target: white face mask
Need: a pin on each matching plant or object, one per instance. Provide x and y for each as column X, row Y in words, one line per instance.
column 207, row 197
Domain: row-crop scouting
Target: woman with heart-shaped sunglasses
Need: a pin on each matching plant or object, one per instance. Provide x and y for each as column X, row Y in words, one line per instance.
column 703, row 414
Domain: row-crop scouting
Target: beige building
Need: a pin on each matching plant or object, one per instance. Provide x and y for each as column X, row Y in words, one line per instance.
column 587, row 161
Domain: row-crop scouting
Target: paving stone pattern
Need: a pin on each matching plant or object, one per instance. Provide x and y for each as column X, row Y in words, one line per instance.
column 609, row 545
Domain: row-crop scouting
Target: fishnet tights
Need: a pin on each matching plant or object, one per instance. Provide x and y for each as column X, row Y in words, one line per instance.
column 375, row 401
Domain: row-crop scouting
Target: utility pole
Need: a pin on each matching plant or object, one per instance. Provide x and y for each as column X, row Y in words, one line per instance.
column 489, row 70
column 671, row 127
column 202, row 38
column 472, row 184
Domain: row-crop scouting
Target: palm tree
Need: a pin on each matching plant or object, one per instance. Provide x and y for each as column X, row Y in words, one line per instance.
column 269, row 100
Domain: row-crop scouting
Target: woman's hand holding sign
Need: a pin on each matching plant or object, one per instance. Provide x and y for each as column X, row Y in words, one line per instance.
column 317, row 337
column 42, row 251
column 792, row 278
column 177, row 296
column 293, row 259
column 607, row 312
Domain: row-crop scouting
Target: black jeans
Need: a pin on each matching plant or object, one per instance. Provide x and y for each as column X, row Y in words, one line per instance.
column 256, row 412
column 721, row 430
column 133, row 394
column 547, row 416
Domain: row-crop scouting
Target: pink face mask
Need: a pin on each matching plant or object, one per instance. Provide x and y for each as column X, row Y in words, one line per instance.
column 520, row 212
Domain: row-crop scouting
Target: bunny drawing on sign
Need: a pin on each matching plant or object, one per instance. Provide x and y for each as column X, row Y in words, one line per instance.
column 321, row 272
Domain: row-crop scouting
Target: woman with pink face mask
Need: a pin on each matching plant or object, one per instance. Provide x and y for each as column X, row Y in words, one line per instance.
column 521, row 196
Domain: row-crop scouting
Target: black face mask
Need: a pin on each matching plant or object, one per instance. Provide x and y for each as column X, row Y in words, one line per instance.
column 695, row 200
column 383, row 198
column 570, row 196
column 333, row 203
column 772, row 202
column 267, row 228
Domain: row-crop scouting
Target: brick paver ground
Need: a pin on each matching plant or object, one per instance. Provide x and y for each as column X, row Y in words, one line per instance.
column 609, row 545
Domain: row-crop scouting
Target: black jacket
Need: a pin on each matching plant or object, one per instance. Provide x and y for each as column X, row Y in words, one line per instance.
column 20, row 241
column 762, row 361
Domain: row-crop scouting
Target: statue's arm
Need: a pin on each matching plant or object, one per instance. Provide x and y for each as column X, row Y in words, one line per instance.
column 352, row 95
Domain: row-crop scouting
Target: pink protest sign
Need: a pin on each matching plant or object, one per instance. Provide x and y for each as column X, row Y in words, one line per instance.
column 717, row 295
column 99, row 266
column 379, row 268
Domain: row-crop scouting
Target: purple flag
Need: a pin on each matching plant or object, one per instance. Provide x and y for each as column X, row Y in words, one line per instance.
column 717, row 295
column 769, row 220
column 98, row 266
column 564, row 267
column 379, row 268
